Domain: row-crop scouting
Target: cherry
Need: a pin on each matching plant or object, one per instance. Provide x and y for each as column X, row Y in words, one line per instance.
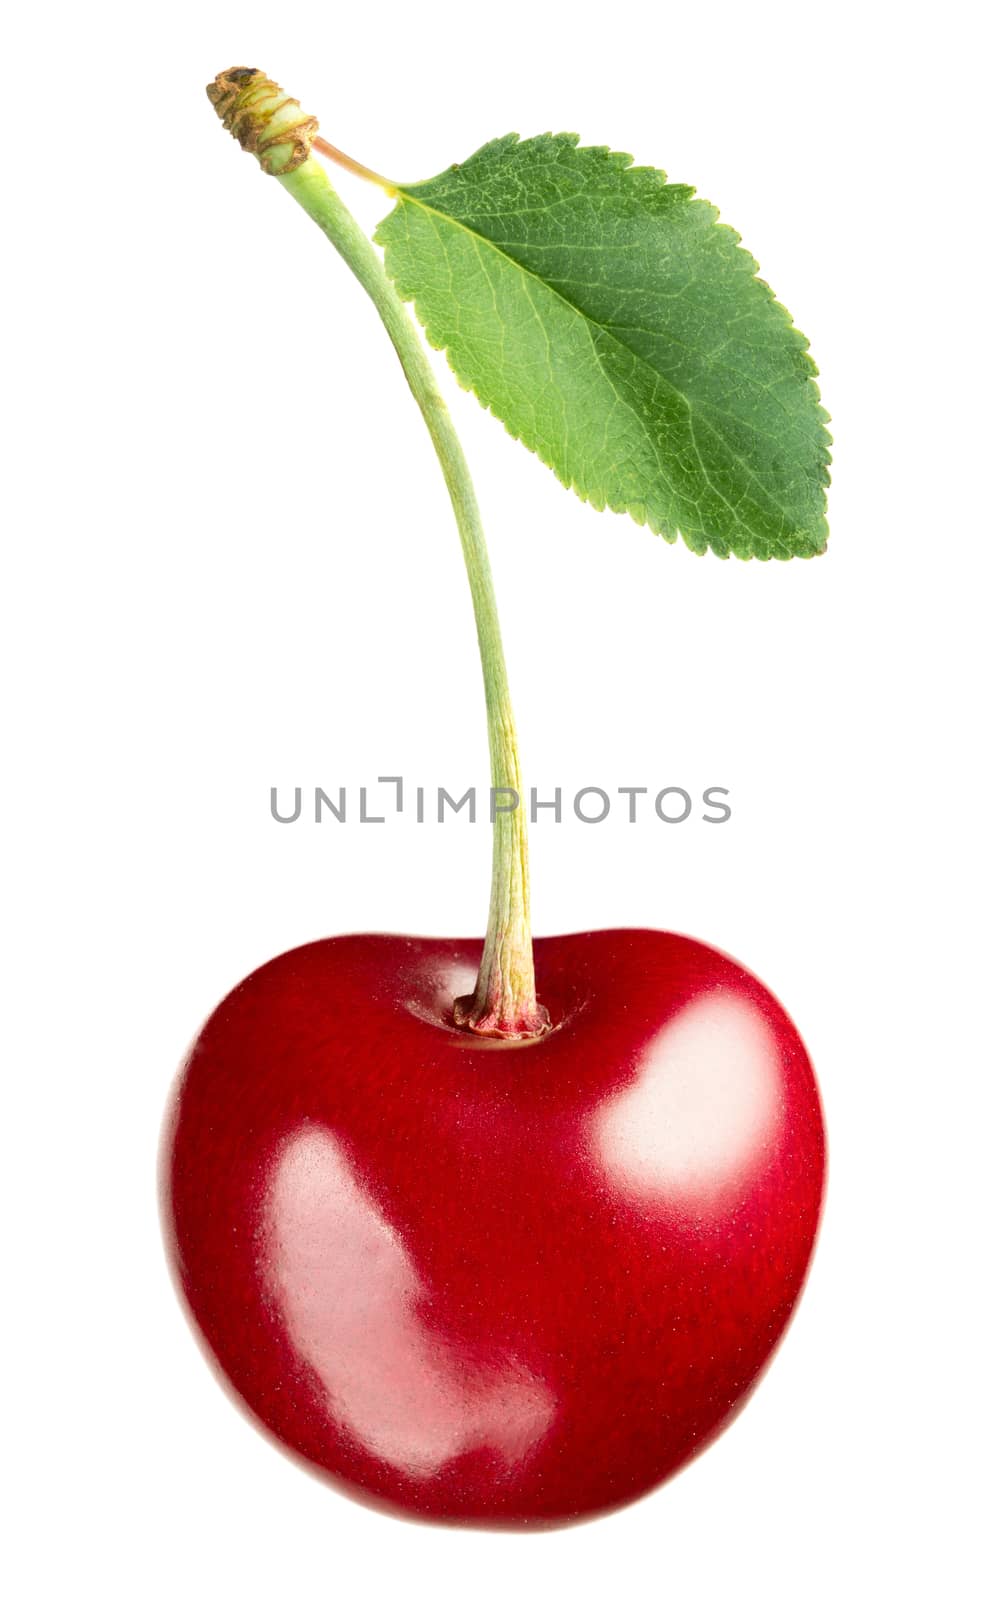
column 483, row 1280
column 493, row 1233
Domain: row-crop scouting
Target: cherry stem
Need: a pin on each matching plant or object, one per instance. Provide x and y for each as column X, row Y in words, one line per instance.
column 503, row 1005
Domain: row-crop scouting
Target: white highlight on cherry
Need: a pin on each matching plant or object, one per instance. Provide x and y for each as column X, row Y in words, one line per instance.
column 349, row 1295
column 702, row 1109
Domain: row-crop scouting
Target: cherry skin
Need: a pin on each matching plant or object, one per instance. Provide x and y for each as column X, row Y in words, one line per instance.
column 498, row 1284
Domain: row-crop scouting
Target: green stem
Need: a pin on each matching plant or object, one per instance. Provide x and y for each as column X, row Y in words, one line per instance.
column 503, row 1004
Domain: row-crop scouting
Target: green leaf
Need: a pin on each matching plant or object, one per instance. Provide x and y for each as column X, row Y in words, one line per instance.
column 619, row 330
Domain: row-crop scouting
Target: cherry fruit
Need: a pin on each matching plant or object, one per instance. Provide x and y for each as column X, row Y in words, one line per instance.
column 487, row 1232
column 495, row 1282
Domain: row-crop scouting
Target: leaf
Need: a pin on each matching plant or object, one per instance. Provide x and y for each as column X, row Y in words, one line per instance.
column 618, row 329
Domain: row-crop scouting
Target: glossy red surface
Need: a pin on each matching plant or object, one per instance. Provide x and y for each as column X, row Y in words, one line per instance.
column 508, row 1284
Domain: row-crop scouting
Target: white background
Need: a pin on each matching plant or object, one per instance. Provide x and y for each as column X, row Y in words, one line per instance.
column 232, row 565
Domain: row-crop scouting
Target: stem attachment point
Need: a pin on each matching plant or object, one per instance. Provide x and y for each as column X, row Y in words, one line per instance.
column 266, row 122
column 498, row 1010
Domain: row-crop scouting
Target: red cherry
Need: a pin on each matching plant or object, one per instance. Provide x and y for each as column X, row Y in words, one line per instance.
column 490, row 1282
